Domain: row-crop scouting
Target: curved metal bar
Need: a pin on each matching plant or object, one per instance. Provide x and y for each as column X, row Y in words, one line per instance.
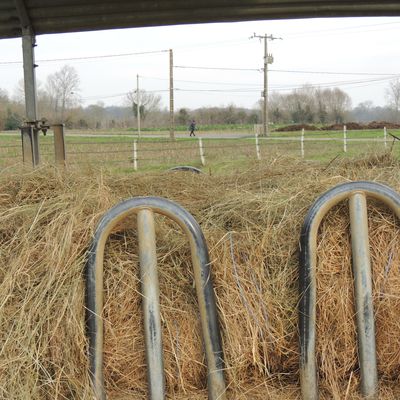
column 204, row 289
column 356, row 192
column 187, row 168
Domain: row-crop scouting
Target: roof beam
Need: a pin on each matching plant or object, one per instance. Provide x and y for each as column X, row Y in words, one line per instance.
column 57, row 16
column 23, row 15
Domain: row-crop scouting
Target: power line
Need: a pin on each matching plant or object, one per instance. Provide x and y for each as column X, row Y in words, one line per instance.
column 218, row 68
column 99, row 97
column 335, row 30
column 289, row 71
column 250, row 90
column 333, row 73
column 203, row 82
column 244, row 90
column 292, row 87
column 88, row 57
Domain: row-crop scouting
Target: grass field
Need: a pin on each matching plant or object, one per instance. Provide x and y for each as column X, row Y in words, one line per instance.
column 116, row 151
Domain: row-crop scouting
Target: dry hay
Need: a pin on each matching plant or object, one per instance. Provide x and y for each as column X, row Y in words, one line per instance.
column 251, row 220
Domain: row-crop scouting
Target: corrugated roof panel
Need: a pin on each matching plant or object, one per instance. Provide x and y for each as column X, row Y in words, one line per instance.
column 57, row 16
column 10, row 25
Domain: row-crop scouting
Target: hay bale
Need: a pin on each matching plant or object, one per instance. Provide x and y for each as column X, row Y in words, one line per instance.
column 251, row 220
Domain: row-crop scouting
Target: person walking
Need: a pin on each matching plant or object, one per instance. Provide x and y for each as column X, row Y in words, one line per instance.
column 192, row 128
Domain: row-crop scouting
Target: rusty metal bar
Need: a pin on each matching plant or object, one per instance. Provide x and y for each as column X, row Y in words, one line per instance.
column 356, row 191
column 203, row 280
column 151, row 303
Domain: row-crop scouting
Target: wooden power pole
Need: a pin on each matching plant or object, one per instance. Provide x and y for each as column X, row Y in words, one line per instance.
column 268, row 59
column 171, row 96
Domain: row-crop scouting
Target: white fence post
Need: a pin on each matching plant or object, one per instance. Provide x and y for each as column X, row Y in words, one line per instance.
column 202, row 158
column 385, row 136
column 344, row 138
column 258, row 148
column 135, row 157
column 302, row 143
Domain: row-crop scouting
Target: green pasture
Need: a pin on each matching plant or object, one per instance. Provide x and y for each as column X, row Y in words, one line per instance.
column 161, row 153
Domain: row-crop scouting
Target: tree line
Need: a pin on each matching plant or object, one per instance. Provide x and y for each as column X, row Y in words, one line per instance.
column 59, row 101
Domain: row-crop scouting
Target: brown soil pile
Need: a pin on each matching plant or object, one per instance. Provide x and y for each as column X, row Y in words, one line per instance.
column 251, row 219
column 298, row 127
column 382, row 124
column 355, row 126
column 350, row 126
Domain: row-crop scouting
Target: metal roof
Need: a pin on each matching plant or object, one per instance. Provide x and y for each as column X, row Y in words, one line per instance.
column 57, row 16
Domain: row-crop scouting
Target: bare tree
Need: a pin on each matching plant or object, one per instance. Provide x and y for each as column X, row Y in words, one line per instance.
column 149, row 102
column 300, row 104
column 338, row 104
column 62, row 88
column 96, row 115
column 393, row 95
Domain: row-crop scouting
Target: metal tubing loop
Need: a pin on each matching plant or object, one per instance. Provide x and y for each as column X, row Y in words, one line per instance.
column 186, row 168
column 357, row 193
column 144, row 206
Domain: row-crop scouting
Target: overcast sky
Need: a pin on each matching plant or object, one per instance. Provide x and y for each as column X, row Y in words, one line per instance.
column 355, row 47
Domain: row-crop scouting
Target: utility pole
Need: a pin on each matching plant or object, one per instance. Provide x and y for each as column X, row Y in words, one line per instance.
column 138, row 104
column 268, row 59
column 171, row 95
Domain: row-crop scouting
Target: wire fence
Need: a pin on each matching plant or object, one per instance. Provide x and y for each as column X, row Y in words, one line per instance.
column 146, row 153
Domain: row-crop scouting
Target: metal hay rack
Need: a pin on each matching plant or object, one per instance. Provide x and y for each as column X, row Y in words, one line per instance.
column 356, row 193
column 144, row 208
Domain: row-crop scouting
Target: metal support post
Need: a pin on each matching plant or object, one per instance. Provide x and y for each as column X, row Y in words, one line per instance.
column 59, row 144
column 28, row 53
column 30, row 151
column 151, row 304
column 302, row 143
column 29, row 135
column 363, row 294
column 345, row 138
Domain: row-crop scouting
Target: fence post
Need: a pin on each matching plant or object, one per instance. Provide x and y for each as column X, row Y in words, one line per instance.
column 30, row 150
column 135, row 158
column 59, row 144
column 302, row 143
column 385, row 136
column 258, row 148
column 202, row 157
column 344, row 138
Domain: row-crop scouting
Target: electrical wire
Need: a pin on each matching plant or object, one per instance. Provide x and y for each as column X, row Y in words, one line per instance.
column 218, row 68
column 289, row 71
column 88, row 57
column 339, row 30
